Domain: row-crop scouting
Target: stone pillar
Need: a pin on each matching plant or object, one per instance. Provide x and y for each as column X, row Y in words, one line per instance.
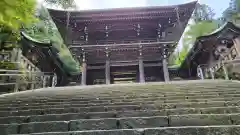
column 84, row 70
column 107, row 72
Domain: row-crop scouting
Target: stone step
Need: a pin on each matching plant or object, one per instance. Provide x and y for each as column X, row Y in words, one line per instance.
column 185, row 130
column 134, row 102
column 129, row 95
column 124, row 123
column 100, row 100
column 194, row 91
column 117, row 114
column 156, row 106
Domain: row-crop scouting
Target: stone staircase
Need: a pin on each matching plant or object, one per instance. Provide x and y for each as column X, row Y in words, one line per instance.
column 177, row 108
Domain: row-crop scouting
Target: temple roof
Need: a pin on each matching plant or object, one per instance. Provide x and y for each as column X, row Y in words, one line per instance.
column 199, row 53
column 156, row 25
column 121, row 12
column 124, row 22
column 47, row 45
column 149, row 13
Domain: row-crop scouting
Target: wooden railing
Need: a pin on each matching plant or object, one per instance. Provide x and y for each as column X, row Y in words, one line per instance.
column 24, row 76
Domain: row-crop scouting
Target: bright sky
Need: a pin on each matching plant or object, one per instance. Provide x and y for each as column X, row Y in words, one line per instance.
column 217, row 5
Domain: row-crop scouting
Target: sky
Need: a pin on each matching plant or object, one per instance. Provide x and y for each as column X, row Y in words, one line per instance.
column 217, row 5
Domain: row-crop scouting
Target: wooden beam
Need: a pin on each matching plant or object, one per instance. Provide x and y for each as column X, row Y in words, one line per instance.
column 126, row 64
column 130, row 44
column 123, row 64
column 153, row 65
column 119, row 19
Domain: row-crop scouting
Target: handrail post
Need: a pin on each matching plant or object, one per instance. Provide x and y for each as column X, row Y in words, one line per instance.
column 225, row 71
column 200, row 72
column 212, row 73
column 18, row 63
column 32, row 77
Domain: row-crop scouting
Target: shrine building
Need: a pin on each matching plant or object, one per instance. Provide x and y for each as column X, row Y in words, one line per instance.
column 123, row 44
column 215, row 55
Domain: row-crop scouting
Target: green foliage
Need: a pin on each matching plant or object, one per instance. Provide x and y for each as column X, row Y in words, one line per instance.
column 8, row 38
column 7, row 65
column 14, row 13
column 198, row 29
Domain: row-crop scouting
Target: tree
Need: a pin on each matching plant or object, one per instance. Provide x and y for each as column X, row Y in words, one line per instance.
column 198, row 29
column 13, row 15
column 233, row 13
column 203, row 12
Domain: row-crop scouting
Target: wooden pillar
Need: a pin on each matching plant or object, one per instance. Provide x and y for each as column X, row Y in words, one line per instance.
column 141, row 66
column 165, row 70
column 107, row 67
column 84, row 73
column 107, row 72
column 165, row 64
column 178, row 19
column 84, row 70
column 141, row 70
